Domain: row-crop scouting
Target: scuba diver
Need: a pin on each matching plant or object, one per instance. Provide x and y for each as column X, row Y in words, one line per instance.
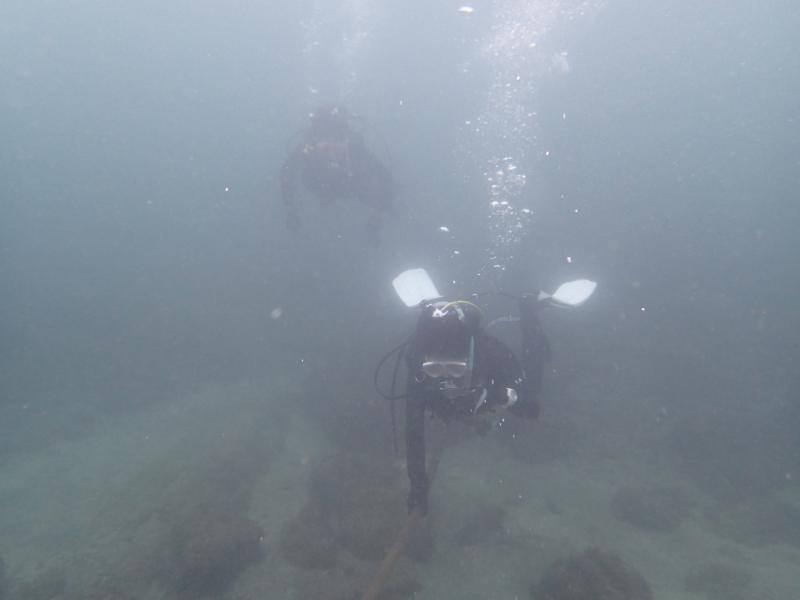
column 333, row 162
column 456, row 370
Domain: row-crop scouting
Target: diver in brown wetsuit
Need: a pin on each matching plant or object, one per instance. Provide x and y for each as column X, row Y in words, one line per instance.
column 333, row 162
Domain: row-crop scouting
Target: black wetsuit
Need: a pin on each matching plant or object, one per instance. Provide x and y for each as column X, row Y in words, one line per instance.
column 495, row 370
column 337, row 168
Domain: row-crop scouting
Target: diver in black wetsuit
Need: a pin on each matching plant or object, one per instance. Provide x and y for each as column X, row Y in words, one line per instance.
column 456, row 369
column 333, row 162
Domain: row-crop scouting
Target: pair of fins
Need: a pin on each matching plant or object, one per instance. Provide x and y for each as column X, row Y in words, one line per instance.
column 414, row 286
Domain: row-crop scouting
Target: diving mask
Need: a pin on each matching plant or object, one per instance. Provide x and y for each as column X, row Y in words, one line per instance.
column 450, row 369
column 452, row 376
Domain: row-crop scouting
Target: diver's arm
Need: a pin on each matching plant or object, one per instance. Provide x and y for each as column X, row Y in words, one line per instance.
column 415, row 453
column 289, row 175
column 511, row 387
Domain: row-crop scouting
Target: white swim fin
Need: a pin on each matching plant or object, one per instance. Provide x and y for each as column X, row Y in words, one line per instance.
column 572, row 293
column 415, row 286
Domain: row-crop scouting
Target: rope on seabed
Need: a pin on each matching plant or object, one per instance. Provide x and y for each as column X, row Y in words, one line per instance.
column 399, row 545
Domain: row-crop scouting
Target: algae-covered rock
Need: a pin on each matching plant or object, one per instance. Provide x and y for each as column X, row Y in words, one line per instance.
column 361, row 502
column 307, row 542
column 351, row 580
column 761, row 522
column 369, row 522
column 482, row 526
column 592, row 575
column 209, row 555
column 719, row 581
column 336, row 480
column 654, row 508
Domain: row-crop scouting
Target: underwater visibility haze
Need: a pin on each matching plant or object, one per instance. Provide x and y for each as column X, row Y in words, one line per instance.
column 187, row 406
